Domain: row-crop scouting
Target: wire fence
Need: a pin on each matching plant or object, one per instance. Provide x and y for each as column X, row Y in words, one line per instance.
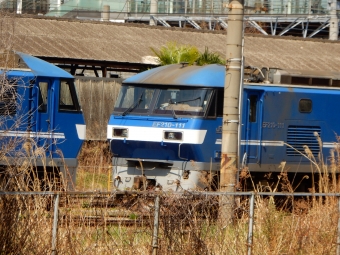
column 169, row 223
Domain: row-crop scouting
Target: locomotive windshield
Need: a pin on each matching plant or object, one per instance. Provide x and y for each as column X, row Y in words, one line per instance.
column 158, row 101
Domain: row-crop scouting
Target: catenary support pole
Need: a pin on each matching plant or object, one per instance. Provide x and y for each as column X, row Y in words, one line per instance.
column 19, row 6
column 106, row 13
column 153, row 12
column 231, row 115
column 155, row 227
column 334, row 22
column 55, row 225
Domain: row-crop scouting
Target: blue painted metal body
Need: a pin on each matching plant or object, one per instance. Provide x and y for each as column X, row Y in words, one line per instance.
column 46, row 112
column 281, row 127
column 278, row 122
column 165, row 150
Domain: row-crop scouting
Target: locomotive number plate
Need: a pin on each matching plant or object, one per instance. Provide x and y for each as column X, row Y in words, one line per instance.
column 168, row 124
column 273, row 125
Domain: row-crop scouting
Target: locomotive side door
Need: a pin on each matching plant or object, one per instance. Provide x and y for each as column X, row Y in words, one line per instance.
column 68, row 119
column 44, row 113
column 253, row 118
column 58, row 117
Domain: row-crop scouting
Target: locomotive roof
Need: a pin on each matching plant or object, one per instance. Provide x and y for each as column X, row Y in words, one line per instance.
column 24, row 62
column 179, row 74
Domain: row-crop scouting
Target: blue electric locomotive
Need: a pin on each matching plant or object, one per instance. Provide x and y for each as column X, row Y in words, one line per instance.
column 166, row 128
column 41, row 122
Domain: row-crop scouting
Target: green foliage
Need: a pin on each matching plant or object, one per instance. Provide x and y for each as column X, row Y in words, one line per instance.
column 207, row 58
column 173, row 53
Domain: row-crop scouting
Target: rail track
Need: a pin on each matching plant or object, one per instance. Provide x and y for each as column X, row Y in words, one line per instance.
column 128, row 209
column 94, row 221
column 106, row 209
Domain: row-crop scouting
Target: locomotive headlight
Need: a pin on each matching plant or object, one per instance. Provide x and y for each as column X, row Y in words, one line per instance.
column 120, row 132
column 171, row 135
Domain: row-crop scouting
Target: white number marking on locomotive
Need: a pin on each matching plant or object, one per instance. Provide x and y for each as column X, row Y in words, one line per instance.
column 273, row 125
column 168, row 124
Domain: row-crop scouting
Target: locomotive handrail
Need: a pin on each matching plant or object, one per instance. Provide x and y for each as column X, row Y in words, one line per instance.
column 179, row 151
column 244, row 160
column 52, row 114
column 260, row 131
column 247, row 127
column 35, row 92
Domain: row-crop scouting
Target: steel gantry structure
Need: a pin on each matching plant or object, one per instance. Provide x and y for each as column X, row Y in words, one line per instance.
column 305, row 18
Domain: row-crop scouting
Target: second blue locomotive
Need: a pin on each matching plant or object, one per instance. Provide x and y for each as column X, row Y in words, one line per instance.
column 165, row 130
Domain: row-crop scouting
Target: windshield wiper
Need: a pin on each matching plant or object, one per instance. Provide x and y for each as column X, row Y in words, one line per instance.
column 134, row 105
column 189, row 100
column 172, row 109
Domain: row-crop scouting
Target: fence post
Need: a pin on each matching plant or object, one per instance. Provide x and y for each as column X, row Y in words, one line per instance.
column 338, row 236
column 155, row 227
column 55, row 224
column 251, row 223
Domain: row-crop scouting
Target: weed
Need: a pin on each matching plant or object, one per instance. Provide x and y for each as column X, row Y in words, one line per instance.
column 94, row 166
column 133, row 216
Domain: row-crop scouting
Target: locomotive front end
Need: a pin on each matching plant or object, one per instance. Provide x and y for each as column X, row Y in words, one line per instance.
column 159, row 136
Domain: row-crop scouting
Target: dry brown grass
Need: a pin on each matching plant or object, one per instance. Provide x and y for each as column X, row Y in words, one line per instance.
column 188, row 225
column 94, row 167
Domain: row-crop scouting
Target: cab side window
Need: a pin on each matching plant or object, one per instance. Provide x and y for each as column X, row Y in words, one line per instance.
column 43, row 99
column 216, row 104
column 67, row 96
column 252, row 108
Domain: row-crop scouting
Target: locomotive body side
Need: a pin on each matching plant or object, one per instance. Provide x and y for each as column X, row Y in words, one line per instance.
column 288, row 129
